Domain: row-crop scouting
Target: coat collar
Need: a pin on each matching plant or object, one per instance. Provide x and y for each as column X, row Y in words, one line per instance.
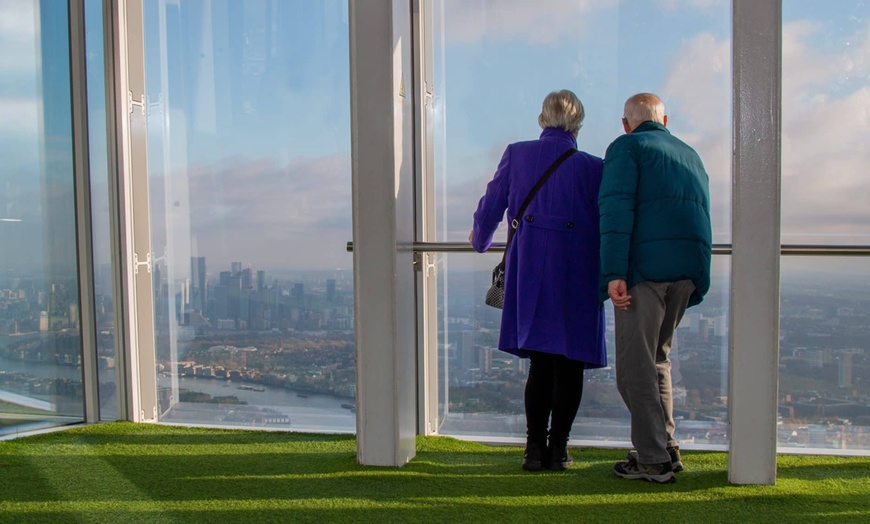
column 557, row 133
column 649, row 125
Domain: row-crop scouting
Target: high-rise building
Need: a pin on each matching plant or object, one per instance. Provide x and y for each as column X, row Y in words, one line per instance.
column 247, row 278
column 236, row 267
column 234, row 290
column 221, row 305
column 198, row 284
column 330, row 291
column 845, row 369
column 245, row 306
column 261, row 282
column 468, row 356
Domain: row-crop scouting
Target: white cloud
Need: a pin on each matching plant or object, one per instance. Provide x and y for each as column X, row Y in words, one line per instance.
column 825, row 159
column 693, row 4
column 292, row 215
column 699, row 84
column 803, row 64
column 826, row 132
column 17, row 37
column 826, row 127
column 19, row 113
column 19, row 116
column 697, row 95
column 474, row 20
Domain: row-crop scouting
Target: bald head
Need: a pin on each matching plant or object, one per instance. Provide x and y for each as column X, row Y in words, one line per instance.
column 643, row 107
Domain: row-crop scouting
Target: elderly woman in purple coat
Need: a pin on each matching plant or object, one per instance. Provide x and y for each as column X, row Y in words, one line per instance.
column 551, row 312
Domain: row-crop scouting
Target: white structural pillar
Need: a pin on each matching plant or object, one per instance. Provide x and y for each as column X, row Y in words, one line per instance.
column 131, row 228
column 382, row 141
column 754, row 357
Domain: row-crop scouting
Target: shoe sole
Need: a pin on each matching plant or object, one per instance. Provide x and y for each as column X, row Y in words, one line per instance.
column 665, row 478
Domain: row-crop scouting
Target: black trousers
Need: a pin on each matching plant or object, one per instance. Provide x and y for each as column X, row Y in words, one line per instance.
column 552, row 397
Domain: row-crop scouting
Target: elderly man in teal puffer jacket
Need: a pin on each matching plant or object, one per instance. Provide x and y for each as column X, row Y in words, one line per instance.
column 656, row 245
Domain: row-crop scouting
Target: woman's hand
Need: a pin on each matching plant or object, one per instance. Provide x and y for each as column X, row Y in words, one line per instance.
column 470, row 236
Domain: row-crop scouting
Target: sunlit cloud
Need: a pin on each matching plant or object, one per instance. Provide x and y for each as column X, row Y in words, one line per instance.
column 681, row 4
column 19, row 62
column 19, row 118
column 17, row 37
column 540, row 22
column 697, row 95
column 826, row 132
column 826, row 127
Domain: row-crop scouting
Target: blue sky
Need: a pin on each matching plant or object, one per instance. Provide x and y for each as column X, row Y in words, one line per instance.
column 249, row 124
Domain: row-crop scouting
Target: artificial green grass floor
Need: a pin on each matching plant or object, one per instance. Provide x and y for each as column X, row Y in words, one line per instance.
column 124, row 472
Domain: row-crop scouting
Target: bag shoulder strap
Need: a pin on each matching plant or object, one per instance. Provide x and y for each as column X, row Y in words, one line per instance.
column 550, row 170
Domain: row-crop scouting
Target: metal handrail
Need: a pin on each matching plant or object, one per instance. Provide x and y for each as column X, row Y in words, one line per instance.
column 718, row 249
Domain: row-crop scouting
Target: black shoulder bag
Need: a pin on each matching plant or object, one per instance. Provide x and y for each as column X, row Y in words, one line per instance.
column 495, row 293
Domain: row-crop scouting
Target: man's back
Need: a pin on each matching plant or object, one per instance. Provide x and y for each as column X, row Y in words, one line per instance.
column 655, row 211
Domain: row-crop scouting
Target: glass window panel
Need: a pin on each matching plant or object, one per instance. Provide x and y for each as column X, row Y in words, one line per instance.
column 107, row 357
column 249, row 171
column 493, row 64
column 825, row 121
column 40, row 344
column 824, row 367
column 494, row 61
column 481, row 388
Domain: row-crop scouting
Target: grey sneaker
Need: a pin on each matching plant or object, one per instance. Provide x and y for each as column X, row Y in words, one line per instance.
column 674, row 452
column 633, row 470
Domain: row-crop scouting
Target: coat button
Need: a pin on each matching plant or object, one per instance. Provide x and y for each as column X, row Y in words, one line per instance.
column 570, row 225
column 530, row 218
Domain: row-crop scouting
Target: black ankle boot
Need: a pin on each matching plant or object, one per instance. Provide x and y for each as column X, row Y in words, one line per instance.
column 560, row 459
column 534, row 457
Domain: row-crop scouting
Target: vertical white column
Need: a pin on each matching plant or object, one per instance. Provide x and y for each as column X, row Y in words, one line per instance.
column 131, row 233
column 427, row 275
column 754, row 357
column 382, row 141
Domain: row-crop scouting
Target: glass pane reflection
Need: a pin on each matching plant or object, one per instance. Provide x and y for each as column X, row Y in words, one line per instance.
column 40, row 344
column 107, row 357
column 481, row 388
column 824, row 366
column 492, row 68
column 249, row 172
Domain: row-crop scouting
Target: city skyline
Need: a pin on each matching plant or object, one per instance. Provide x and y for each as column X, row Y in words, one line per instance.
column 824, row 364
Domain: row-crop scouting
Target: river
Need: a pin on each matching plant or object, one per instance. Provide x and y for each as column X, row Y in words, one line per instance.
column 307, row 412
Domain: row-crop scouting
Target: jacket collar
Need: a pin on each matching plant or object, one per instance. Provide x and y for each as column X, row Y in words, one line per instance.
column 649, row 125
column 557, row 133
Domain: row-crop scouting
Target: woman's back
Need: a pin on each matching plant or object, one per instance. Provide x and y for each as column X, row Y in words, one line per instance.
column 551, row 278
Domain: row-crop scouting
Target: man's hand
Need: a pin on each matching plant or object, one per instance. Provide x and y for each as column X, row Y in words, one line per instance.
column 618, row 292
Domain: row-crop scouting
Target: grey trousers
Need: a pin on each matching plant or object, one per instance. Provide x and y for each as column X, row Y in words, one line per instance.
column 644, row 334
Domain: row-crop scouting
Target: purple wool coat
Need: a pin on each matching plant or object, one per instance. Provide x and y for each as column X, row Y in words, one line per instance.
column 551, row 276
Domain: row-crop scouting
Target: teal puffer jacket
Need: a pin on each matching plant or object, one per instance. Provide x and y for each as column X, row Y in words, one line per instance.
column 655, row 212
